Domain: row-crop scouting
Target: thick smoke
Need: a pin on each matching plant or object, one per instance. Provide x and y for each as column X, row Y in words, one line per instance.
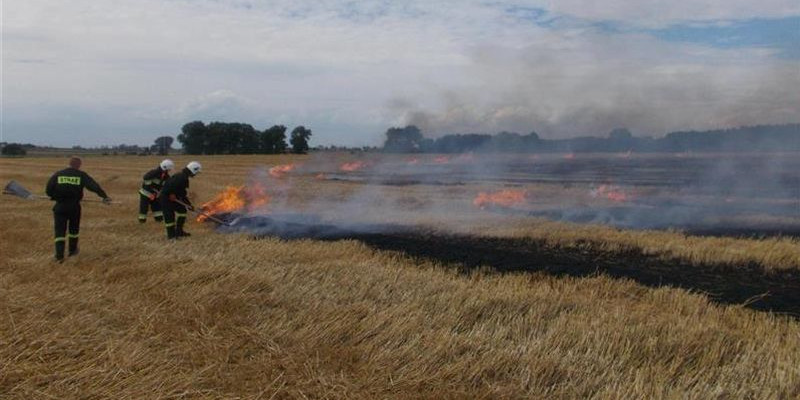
column 584, row 84
column 329, row 196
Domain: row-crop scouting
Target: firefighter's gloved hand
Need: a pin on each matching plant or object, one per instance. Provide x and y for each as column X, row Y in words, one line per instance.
column 173, row 198
column 190, row 207
column 151, row 196
column 106, row 200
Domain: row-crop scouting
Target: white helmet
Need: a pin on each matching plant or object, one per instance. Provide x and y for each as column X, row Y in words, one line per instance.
column 194, row 167
column 167, row 165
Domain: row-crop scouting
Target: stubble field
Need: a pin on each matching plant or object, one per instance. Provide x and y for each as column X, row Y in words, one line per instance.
column 466, row 303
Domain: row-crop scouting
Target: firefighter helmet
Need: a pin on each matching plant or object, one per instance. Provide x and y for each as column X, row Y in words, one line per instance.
column 194, row 167
column 167, row 165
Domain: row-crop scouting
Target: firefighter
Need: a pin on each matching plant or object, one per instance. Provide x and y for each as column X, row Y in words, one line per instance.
column 174, row 201
column 66, row 188
column 151, row 186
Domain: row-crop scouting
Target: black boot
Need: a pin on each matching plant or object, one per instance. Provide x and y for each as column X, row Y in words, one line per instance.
column 181, row 232
column 73, row 247
column 60, row 251
column 171, row 234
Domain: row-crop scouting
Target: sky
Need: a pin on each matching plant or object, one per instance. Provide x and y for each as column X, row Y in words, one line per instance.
column 88, row 72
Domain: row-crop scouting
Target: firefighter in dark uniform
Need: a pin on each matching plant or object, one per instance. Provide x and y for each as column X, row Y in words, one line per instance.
column 66, row 188
column 151, row 186
column 172, row 195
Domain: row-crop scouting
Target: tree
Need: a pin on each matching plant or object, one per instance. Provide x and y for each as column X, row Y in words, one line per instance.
column 299, row 139
column 273, row 140
column 403, row 140
column 194, row 137
column 14, row 149
column 162, row 145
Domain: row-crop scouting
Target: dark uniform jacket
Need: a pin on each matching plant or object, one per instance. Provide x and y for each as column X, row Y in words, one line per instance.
column 177, row 185
column 152, row 182
column 66, row 186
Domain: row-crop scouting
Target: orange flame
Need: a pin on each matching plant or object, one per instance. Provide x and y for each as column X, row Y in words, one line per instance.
column 504, row 198
column 279, row 171
column 320, row 176
column 236, row 198
column 353, row 166
column 256, row 196
column 610, row 192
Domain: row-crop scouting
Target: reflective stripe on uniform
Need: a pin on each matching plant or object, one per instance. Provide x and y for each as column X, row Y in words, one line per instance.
column 73, row 235
column 145, row 193
column 142, row 216
column 158, row 214
column 60, row 239
column 69, row 180
column 180, row 215
column 169, row 224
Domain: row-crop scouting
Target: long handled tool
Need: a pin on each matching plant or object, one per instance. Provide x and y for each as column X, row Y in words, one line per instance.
column 205, row 214
column 15, row 189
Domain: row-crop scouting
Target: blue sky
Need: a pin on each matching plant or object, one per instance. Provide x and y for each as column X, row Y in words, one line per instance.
column 780, row 34
column 92, row 73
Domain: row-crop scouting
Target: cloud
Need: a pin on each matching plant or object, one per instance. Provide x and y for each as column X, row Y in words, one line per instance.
column 571, row 86
column 219, row 105
column 354, row 68
column 655, row 13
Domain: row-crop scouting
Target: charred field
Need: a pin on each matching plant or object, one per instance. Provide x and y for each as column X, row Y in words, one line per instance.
column 449, row 198
column 358, row 276
column 746, row 284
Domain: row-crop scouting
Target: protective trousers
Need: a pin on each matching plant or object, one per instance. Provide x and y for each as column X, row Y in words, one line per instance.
column 67, row 224
column 145, row 203
column 174, row 218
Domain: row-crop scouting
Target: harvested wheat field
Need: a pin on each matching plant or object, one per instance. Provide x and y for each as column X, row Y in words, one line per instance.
column 425, row 301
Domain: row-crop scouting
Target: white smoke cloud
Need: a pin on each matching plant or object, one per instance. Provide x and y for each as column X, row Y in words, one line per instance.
column 338, row 64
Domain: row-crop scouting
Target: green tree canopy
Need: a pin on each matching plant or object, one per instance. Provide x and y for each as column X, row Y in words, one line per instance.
column 162, row 145
column 299, row 139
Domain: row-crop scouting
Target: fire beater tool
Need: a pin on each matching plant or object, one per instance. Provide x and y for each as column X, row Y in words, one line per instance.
column 207, row 215
column 15, row 189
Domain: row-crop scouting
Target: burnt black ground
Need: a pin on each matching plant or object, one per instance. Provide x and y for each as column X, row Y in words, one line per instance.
column 740, row 284
column 748, row 285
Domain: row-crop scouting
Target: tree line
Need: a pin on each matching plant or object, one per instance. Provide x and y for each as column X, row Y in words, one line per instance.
column 238, row 138
column 786, row 137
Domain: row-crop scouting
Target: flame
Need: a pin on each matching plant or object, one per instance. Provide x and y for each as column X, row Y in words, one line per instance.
column 320, row 176
column 441, row 160
column 236, row 198
column 610, row 192
column 504, row 198
column 353, row 166
column 279, row 171
column 256, row 196
column 569, row 156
